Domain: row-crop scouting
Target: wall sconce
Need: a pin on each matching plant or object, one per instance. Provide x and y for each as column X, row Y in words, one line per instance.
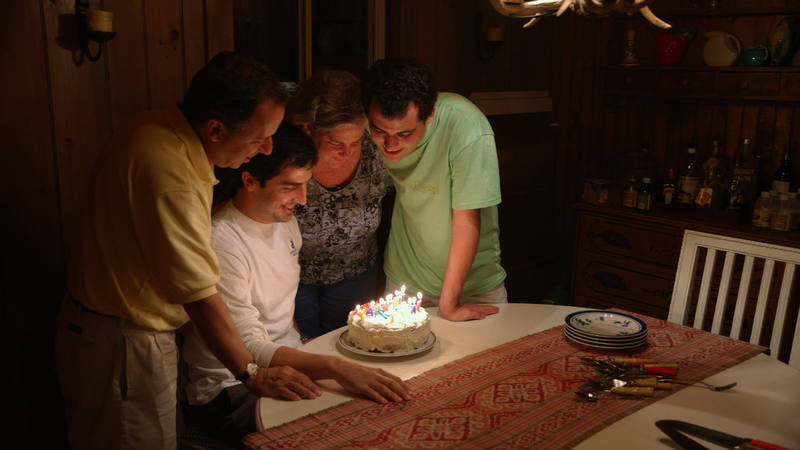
column 93, row 25
column 489, row 39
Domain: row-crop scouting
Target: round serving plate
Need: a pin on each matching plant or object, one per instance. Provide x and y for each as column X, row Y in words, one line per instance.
column 625, row 346
column 344, row 342
column 600, row 323
column 608, row 340
column 577, row 337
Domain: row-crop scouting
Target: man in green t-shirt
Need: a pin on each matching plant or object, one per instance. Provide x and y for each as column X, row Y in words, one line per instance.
column 440, row 151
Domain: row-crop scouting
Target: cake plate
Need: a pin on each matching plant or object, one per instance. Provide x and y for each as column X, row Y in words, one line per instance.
column 344, row 342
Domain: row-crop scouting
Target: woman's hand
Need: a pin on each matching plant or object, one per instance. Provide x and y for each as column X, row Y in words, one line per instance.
column 376, row 384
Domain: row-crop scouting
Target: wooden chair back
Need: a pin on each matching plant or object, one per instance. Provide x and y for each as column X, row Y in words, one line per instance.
column 750, row 256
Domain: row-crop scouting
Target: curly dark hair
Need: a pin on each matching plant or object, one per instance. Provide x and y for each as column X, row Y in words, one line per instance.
column 394, row 83
column 290, row 147
column 229, row 88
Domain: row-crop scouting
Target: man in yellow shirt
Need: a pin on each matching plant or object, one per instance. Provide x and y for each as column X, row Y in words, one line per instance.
column 144, row 265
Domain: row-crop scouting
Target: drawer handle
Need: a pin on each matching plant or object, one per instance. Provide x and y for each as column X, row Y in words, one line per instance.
column 610, row 280
column 744, row 85
column 615, row 239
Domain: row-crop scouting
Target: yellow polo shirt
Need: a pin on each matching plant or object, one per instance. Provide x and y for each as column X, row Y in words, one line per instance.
column 145, row 240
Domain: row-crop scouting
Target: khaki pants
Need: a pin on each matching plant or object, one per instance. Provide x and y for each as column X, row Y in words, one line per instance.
column 496, row 295
column 118, row 379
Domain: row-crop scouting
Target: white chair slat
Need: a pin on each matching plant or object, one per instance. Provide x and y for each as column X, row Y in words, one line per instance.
column 705, row 285
column 722, row 295
column 679, row 306
column 761, row 304
column 794, row 356
column 780, row 310
column 741, row 297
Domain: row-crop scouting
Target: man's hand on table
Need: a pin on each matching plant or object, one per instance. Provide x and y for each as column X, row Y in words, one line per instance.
column 460, row 313
column 375, row 384
column 284, row 382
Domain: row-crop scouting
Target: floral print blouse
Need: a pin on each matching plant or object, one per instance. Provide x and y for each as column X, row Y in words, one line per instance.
column 340, row 227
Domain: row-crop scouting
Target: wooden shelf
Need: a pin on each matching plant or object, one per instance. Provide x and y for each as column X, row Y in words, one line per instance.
column 683, row 216
column 702, row 83
column 745, row 69
column 668, row 13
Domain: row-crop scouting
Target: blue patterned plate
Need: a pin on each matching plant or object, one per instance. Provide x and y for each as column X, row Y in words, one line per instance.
column 599, row 323
column 624, row 346
column 604, row 341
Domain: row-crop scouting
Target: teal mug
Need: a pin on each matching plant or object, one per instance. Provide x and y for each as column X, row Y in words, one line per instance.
column 754, row 56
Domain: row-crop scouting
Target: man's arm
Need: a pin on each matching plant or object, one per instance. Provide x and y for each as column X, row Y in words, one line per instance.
column 376, row 384
column 463, row 247
column 212, row 320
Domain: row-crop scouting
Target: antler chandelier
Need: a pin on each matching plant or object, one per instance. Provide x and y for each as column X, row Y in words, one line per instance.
column 536, row 9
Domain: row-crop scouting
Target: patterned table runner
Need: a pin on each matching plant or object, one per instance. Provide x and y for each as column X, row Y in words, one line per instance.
column 516, row 395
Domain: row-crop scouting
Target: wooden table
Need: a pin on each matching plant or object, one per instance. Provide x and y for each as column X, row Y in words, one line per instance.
column 765, row 404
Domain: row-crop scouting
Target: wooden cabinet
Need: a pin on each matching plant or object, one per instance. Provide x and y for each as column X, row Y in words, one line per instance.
column 624, row 263
column 628, row 260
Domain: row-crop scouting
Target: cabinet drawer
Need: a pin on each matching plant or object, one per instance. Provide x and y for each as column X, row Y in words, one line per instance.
column 644, row 244
column 686, row 83
column 615, row 279
column 791, row 84
column 748, row 84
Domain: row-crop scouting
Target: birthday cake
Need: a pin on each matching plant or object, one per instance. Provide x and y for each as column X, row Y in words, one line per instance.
column 395, row 323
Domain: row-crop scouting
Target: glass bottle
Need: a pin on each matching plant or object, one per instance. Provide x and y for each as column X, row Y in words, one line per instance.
column 779, row 220
column 629, row 194
column 689, row 181
column 782, row 180
column 742, row 187
column 709, row 187
column 644, row 199
column 794, row 212
column 762, row 210
column 669, row 187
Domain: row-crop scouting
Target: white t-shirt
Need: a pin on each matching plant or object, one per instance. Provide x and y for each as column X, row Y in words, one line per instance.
column 259, row 273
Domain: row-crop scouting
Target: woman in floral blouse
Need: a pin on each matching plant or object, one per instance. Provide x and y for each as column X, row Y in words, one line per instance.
column 339, row 259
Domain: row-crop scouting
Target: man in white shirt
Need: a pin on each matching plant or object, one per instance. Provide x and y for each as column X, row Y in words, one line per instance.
column 257, row 240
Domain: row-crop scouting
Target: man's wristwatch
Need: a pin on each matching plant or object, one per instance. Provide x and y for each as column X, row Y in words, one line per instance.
column 250, row 371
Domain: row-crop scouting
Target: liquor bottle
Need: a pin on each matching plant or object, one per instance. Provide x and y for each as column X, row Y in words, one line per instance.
column 689, row 181
column 742, row 187
column 782, row 180
column 629, row 194
column 644, row 198
column 709, row 189
column 669, row 187
column 794, row 212
column 762, row 210
column 779, row 220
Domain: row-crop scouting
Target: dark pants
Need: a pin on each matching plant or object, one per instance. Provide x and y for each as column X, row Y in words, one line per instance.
column 320, row 308
column 229, row 417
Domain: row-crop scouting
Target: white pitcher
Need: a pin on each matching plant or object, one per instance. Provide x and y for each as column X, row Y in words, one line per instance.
column 722, row 49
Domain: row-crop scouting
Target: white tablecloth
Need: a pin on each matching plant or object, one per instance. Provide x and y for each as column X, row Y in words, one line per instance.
column 765, row 404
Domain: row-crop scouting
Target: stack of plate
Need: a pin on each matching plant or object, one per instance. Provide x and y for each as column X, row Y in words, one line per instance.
column 605, row 329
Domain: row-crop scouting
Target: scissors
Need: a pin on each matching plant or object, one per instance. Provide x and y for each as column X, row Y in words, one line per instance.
column 675, row 429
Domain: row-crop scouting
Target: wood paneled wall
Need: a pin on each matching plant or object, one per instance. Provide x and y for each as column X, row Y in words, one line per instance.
column 449, row 36
column 57, row 114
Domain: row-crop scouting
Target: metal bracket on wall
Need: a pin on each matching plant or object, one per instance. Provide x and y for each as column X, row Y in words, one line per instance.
column 93, row 25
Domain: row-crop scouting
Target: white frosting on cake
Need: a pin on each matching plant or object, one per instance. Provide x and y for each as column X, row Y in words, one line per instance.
column 390, row 324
